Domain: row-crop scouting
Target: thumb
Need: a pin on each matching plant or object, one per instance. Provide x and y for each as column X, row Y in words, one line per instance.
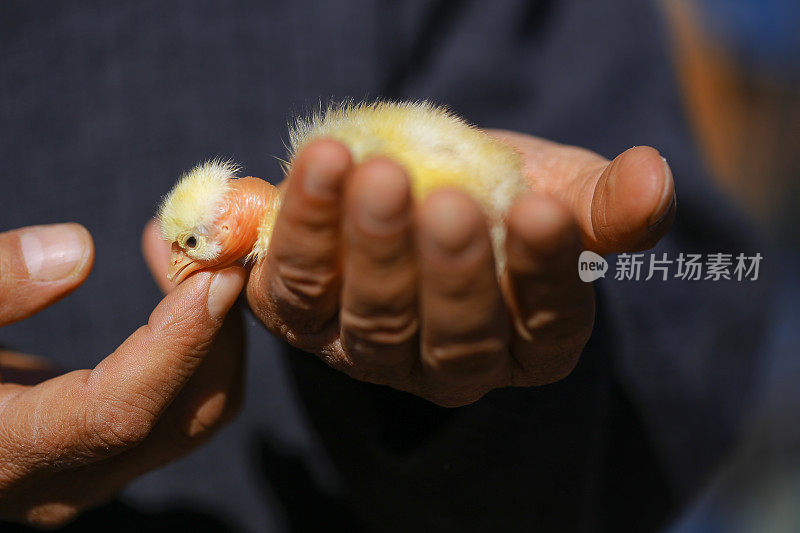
column 623, row 205
column 39, row 265
column 633, row 204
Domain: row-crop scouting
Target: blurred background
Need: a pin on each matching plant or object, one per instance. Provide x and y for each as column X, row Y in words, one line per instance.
column 738, row 63
column 739, row 68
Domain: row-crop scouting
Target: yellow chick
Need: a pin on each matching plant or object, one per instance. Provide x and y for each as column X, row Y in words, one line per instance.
column 212, row 218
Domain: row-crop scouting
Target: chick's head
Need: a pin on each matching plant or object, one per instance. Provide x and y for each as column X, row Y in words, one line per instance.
column 212, row 218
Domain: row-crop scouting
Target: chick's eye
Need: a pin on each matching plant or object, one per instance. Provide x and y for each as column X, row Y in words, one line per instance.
column 191, row 242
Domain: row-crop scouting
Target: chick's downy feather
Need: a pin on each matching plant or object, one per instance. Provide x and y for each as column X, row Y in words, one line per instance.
column 194, row 203
column 437, row 149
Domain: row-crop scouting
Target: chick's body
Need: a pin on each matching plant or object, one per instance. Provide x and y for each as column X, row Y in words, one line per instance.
column 436, row 148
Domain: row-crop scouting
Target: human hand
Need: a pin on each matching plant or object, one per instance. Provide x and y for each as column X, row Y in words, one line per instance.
column 404, row 294
column 72, row 441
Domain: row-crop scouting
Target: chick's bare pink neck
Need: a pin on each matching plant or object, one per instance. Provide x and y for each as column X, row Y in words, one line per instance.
column 248, row 202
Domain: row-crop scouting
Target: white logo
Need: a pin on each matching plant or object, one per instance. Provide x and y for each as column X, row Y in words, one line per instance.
column 687, row 266
column 591, row 266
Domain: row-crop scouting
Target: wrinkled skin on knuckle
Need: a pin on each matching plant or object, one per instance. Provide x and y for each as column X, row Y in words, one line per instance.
column 303, row 287
column 14, row 468
column 482, row 357
column 552, row 344
column 15, row 455
column 177, row 324
column 297, row 310
column 190, row 355
column 461, row 373
column 379, row 331
column 570, row 324
column 117, row 425
column 29, row 438
column 182, row 344
column 289, row 315
column 394, row 368
column 321, row 339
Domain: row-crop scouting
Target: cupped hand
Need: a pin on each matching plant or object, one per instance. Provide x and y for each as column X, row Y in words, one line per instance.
column 72, row 441
column 405, row 294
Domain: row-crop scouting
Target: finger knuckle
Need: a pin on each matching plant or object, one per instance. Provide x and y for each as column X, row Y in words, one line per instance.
column 303, row 287
column 118, row 424
column 379, row 330
column 475, row 357
column 549, row 324
column 542, row 324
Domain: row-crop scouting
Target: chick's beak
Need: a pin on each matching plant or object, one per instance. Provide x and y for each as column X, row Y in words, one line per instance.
column 181, row 265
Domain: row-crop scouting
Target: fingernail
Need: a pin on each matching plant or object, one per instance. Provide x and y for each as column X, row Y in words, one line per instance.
column 319, row 184
column 666, row 202
column 666, row 215
column 382, row 200
column 53, row 252
column 225, row 287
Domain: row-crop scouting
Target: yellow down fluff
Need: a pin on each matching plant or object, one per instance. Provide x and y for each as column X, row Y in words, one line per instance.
column 193, row 203
column 437, row 148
